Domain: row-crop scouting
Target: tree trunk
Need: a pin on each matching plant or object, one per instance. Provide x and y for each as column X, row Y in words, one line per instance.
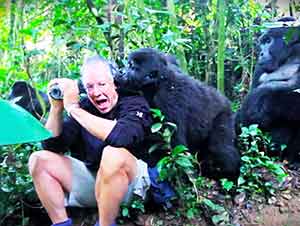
column 221, row 45
column 173, row 23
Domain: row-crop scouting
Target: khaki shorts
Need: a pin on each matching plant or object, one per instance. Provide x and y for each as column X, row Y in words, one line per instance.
column 83, row 185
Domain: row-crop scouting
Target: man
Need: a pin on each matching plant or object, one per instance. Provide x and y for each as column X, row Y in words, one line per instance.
column 106, row 130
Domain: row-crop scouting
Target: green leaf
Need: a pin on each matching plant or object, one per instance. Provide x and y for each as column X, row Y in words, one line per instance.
column 212, row 205
column 153, row 148
column 161, row 164
column 190, row 213
column 156, row 112
column 241, row 180
column 227, row 185
column 3, row 74
column 156, row 127
column 163, row 174
column 172, row 125
column 179, row 149
column 167, row 135
column 246, row 159
column 282, row 147
column 184, row 162
column 217, row 219
column 125, row 212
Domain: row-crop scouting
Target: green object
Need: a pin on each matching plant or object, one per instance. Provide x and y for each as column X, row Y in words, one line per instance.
column 19, row 126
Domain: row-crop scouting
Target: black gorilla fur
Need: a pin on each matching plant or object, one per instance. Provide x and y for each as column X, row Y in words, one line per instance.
column 27, row 98
column 202, row 114
column 274, row 101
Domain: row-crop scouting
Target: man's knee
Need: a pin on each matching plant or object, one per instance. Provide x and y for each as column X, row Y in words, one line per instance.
column 38, row 162
column 117, row 161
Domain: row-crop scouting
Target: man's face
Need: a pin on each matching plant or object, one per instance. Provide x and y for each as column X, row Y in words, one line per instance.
column 100, row 86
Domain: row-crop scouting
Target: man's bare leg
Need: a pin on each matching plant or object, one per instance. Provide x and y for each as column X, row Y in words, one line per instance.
column 52, row 175
column 117, row 170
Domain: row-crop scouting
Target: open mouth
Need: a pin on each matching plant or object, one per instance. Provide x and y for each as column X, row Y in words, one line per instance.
column 102, row 103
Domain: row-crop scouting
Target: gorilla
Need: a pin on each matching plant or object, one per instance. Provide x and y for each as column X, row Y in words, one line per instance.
column 274, row 101
column 24, row 95
column 203, row 115
column 277, row 46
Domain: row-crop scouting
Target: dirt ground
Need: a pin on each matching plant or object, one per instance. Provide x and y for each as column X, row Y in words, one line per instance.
column 283, row 209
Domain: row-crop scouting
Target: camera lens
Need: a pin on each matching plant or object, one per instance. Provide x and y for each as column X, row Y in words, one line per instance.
column 55, row 92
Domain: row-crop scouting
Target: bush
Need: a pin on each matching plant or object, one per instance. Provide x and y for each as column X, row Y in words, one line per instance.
column 259, row 173
column 15, row 182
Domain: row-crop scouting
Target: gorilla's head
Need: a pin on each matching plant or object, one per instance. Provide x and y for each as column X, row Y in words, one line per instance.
column 24, row 95
column 277, row 45
column 147, row 67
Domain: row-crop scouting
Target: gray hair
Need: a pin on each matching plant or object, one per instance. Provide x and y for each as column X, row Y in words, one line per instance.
column 98, row 59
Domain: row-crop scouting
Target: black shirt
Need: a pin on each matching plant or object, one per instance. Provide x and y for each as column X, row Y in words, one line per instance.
column 133, row 117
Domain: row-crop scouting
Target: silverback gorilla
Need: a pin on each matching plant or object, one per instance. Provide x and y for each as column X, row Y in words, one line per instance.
column 274, row 101
column 277, row 46
column 203, row 115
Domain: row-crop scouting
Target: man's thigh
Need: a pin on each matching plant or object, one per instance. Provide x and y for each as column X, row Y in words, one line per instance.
column 57, row 165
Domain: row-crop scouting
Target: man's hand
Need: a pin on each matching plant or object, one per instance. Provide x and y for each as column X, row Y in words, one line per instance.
column 55, row 104
column 71, row 94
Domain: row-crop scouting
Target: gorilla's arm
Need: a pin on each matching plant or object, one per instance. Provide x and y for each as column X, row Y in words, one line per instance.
column 255, row 109
column 286, row 78
column 268, row 108
column 275, row 98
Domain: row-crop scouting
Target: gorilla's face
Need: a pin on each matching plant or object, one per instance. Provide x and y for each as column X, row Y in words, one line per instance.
column 272, row 51
column 275, row 47
column 146, row 68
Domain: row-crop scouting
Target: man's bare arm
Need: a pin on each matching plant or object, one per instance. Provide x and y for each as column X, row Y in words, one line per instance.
column 97, row 126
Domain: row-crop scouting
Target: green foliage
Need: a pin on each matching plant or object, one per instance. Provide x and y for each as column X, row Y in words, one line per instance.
column 164, row 130
column 181, row 169
column 52, row 37
column 131, row 209
column 260, row 174
column 16, row 186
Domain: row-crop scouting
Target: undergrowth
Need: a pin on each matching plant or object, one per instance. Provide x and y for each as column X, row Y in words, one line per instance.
column 198, row 196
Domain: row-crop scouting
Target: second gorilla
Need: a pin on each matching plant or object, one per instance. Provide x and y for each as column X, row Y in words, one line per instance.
column 203, row 115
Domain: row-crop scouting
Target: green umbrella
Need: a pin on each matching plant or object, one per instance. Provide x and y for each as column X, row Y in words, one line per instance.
column 19, row 126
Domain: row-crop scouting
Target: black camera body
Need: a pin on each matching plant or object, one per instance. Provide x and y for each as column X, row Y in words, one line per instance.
column 57, row 94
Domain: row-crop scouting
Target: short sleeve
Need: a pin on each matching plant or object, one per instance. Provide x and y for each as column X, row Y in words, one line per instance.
column 133, row 121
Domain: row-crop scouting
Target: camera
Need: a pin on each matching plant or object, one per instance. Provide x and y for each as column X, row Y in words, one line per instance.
column 56, row 93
